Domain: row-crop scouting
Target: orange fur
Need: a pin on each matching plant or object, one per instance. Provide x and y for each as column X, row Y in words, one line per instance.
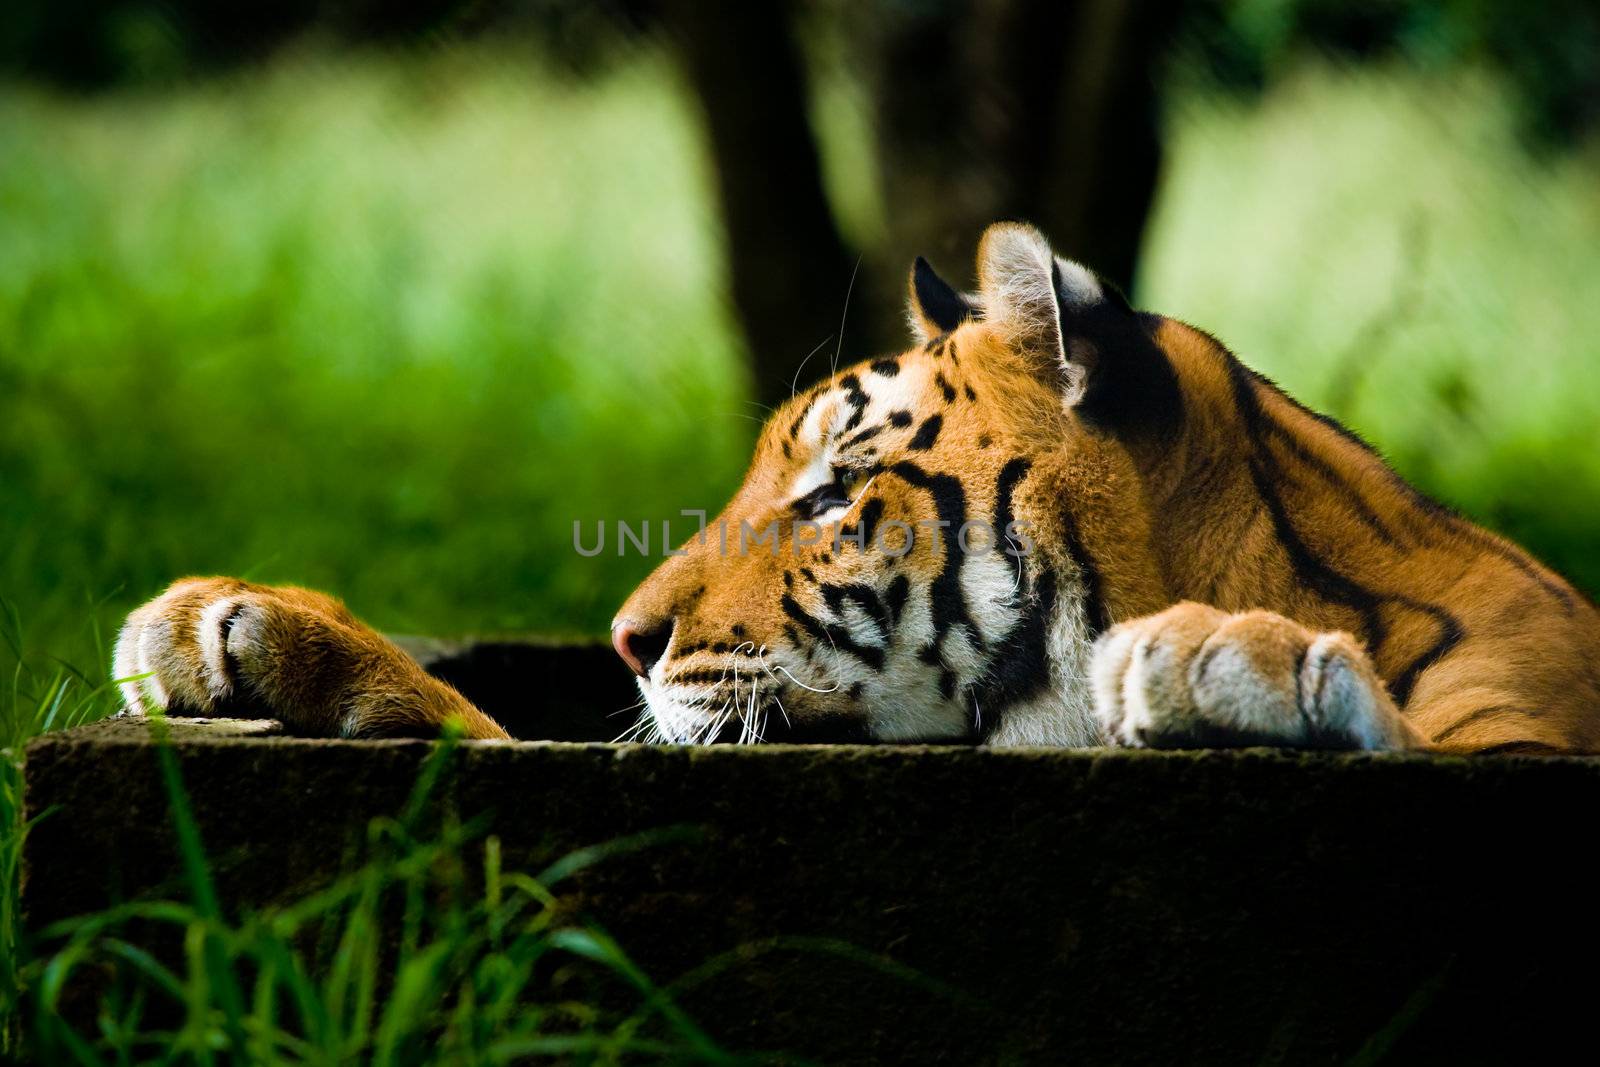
column 310, row 664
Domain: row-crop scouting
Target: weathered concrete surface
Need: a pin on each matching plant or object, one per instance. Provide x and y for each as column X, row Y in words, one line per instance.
column 1100, row 906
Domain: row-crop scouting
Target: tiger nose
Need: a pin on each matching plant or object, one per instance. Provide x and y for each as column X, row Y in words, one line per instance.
column 641, row 643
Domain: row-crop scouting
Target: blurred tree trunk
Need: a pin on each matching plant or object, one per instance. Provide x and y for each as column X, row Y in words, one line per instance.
column 1022, row 109
column 985, row 110
column 790, row 268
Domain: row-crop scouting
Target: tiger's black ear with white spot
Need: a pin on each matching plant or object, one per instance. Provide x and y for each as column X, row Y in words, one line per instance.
column 1039, row 302
column 933, row 305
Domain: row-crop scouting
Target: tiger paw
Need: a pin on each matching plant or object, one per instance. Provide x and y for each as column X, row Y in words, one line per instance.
column 220, row 646
column 1196, row 677
column 212, row 646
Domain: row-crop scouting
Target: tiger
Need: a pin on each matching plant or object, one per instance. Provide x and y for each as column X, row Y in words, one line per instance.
column 1054, row 520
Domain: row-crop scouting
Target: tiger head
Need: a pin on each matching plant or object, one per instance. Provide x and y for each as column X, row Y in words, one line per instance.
column 926, row 545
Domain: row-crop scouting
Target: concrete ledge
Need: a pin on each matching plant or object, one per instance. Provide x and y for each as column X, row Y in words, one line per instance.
column 1122, row 906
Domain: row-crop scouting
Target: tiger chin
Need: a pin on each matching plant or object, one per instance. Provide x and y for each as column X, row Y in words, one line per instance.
column 1055, row 520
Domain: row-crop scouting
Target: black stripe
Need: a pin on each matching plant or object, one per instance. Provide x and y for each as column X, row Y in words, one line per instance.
column 1020, row 668
column 1349, row 436
column 927, row 433
column 1133, row 392
column 805, row 409
column 1005, row 485
column 946, row 599
column 896, row 595
column 866, row 526
column 1265, row 474
column 837, row 636
column 1451, row 633
column 865, row 435
column 864, row 597
column 1322, row 467
column 1493, row 711
column 856, row 398
column 1313, row 572
column 1513, row 555
column 940, row 302
column 1094, row 602
column 1448, row 519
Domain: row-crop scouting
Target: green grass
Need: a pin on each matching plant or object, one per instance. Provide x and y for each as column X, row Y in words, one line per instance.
column 33, row 699
column 426, row 951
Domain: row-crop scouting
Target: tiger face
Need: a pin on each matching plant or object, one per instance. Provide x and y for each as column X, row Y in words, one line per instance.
column 896, row 566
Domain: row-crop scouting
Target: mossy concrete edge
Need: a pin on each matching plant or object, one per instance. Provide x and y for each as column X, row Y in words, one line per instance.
column 1102, row 905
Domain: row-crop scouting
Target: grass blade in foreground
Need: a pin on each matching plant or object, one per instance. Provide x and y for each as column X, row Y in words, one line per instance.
column 425, row 965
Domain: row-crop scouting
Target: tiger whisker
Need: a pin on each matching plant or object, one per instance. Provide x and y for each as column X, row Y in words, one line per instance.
column 718, row 722
column 778, row 701
column 761, row 657
column 736, row 694
column 835, row 646
column 635, row 706
column 747, row 728
column 795, row 381
column 843, row 315
column 802, row 685
column 638, row 727
column 1016, row 554
column 858, row 498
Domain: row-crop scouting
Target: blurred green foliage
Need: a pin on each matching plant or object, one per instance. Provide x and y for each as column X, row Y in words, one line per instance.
column 384, row 328
column 1546, row 53
column 388, row 325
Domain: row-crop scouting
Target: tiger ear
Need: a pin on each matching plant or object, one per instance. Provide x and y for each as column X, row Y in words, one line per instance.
column 1033, row 298
column 933, row 306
